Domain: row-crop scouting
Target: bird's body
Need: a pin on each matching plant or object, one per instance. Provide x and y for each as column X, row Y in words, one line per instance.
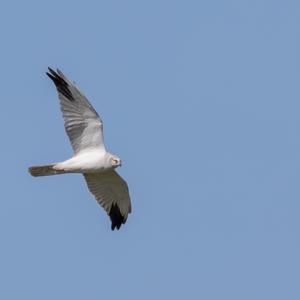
column 86, row 162
column 85, row 130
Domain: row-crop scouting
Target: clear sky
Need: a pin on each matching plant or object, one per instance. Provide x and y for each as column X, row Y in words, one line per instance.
column 201, row 101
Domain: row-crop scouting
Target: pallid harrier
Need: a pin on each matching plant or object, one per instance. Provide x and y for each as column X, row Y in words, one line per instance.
column 85, row 130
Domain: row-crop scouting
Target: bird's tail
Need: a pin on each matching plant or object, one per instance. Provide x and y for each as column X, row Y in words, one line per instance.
column 45, row 170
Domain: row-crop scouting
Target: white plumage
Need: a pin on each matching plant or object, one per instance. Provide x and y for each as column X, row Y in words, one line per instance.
column 85, row 130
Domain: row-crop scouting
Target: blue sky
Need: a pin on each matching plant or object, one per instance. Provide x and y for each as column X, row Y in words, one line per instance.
column 200, row 99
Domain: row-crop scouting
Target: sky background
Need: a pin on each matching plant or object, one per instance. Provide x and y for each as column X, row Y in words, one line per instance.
column 201, row 101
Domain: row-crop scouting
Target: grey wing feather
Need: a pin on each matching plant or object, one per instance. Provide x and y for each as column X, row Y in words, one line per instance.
column 82, row 123
column 111, row 192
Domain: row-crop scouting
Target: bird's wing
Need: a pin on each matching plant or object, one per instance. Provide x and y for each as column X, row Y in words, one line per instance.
column 111, row 192
column 82, row 123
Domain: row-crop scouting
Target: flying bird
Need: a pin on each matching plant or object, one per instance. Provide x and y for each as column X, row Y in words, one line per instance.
column 85, row 130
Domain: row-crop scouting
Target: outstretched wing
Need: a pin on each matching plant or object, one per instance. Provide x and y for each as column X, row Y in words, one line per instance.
column 111, row 192
column 82, row 123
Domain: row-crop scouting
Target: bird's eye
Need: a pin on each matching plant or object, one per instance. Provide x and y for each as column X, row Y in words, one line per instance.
column 115, row 161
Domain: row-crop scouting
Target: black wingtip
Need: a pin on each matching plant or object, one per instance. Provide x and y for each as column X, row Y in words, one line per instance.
column 51, row 71
column 116, row 217
column 52, row 74
column 60, row 83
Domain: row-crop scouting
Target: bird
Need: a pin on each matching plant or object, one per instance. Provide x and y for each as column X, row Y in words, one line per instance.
column 84, row 128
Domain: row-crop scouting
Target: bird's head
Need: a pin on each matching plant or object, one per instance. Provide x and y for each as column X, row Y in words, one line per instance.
column 115, row 161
